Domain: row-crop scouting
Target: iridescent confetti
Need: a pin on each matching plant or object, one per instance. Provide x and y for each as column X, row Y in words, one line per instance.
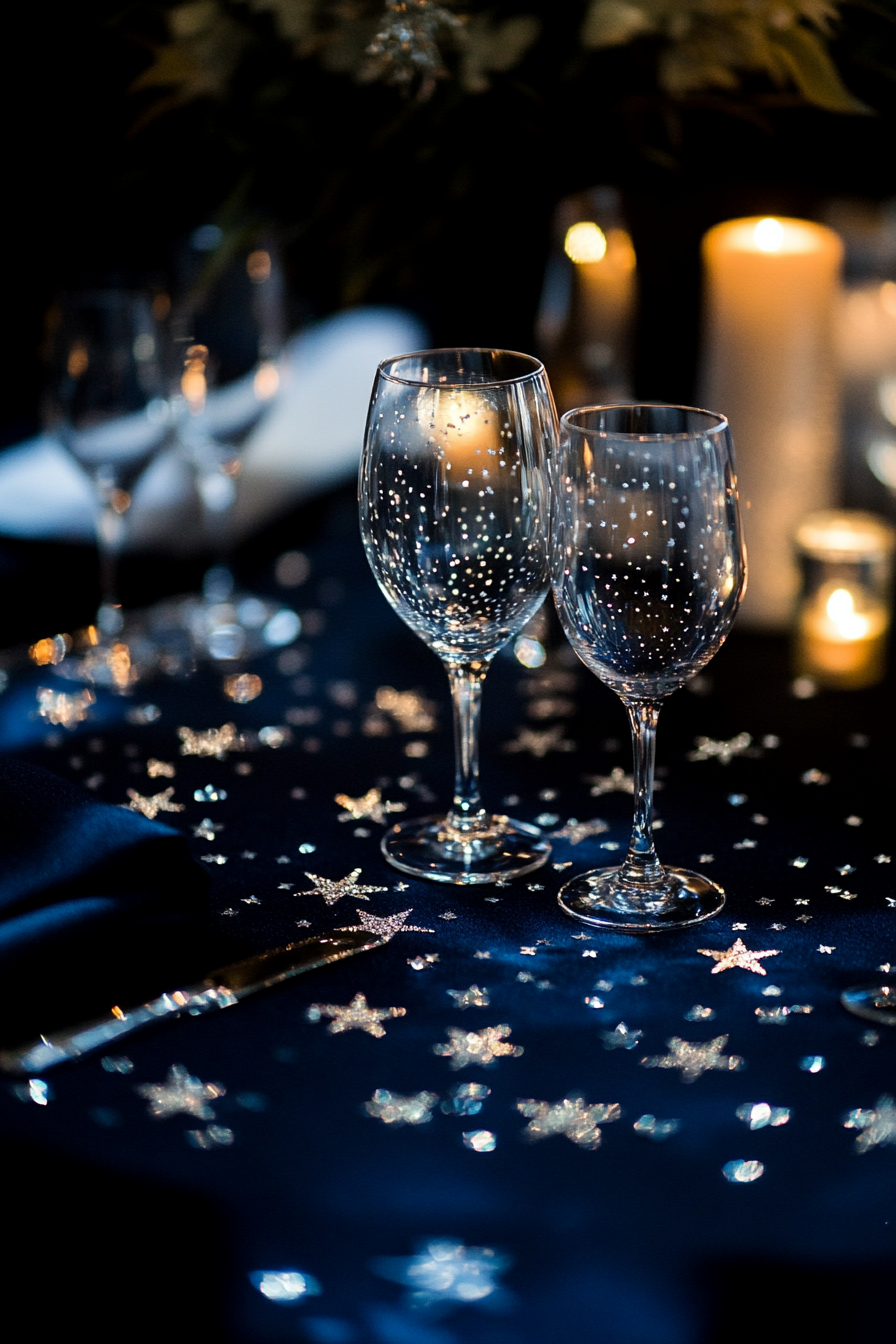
column 621, row 1037
column 384, row 926
column 333, row 889
column 156, row 769
column 737, row 955
column 878, row 1126
column 772, row 1015
column 480, row 1140
column 694, row 1058
column 712, row 749
column 700, row 1014
column 207, row 829
column 476, row 1047
column 758, row 1114
column 67, row 711
column 423, row 963
column 572, row 1117
column 650, row 1128
column 283, row 1285
column 369, row 806
column 741, row 1172
column 117, row 1064
column 151, row 805
column 576, row 831
column 394, row 1109
column 180, row 1092
column 474, row 997
column 211, row 742
column 213, row 1136
column 445, row 1271
column 355, row 1016
column 466, row 1099
column 812, row 1063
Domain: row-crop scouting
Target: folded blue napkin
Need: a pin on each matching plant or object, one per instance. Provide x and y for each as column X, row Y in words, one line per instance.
column 93, row 898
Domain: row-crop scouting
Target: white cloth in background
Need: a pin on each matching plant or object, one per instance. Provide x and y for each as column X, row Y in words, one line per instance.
column 309, row 441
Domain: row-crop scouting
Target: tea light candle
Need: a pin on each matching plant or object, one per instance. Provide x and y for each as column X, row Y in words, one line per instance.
column 771, row 291
column 844, row 613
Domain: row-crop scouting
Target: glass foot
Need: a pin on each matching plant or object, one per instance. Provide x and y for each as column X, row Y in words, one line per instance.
column 430, row 848
column 601, row 899
column 876, row 1002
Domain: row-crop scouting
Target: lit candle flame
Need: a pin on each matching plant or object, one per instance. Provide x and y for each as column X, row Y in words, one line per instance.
column 841, row 612
column 585, row 242
column 769, row 235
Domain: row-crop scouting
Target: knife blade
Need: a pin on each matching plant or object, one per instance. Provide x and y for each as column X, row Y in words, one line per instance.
column 219, row 989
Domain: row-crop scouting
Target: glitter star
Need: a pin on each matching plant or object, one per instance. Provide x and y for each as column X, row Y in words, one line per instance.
column 766, row 900
column 621, row 1036
column 576, row 831
column 695, row 1058
column 445, row 1271
column 803, row 919
column 476, row 1047
column 180, row 1092
column 212, row 742
column 333, row 889
column 385, row 926
column 582, row 937
column 355, row 1016
column 482, row 956
column 474, row 997
column 737, row 955
column 528, row 951
column 156, row 768
column 394, row 1109
column 878, row 1126
column 150, row 805
column 370, row 806
column 539, row 741
column 617, row 781
column 572, row 1116
column 823, row 947
column 62, row 709
column 738, row 926
column 882, row 858
column 207, row 829
column 708, row 748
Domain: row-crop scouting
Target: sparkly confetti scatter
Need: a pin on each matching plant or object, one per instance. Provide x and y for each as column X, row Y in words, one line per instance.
column 180, row 1092
column 423, row 963
column 621, row 1037
column 825, row 948
column 283, row 1285
column 117, row 1064
column 36, row 1090
column 160, row 769
column 211, row 742
column 333, row 889
column 711, row 749
column 576, row 831
column 650, row 1128
column 737, row 955
column 394, row 1109
column 213, row 1136
column 572, row 1117
column 445, row 1271
column 213, row 858
column 539, row 741
column 370, row 806
column 694, row 1058
column 466, row 1099
column 385, row 926
column 480, row 1140
column 758, row 1114
column 355, row 1016
column 741, row 1172
column 62, row 709
column 209, row 794
column 206, row 830
column 153, row 804
column 878, row 1126
column 474, row 997
column 476, row 1047
column 617, row 781
column 812, row 1063
column 700, row 1014
column 798, row 863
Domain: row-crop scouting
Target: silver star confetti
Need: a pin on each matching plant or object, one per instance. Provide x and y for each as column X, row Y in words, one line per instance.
column 151, row 805
column 466, row 1099
column 180, row 1092
column 476, row 1047
column 539, row 741
column 617, row 781
column 650, row 1128
column 369, row 806
column 445, row 1271
column 709, row 748
column 333, row 889
column 694, row 1058
column 576, row 831
column 207, row 829
column 355, row 1016
column 823, row 947
column 385, row 926
column 737, row 955
column 474, row 997
column 212, row 742
column 878, row 1126
column 573, row 1117
column 394, row 1109
column 423, row 963
column 758, row 1114
column 621, row 1037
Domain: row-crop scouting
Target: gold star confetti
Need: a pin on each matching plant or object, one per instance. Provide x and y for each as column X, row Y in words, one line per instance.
column 474, row 997
column 370, row 805
column 160, row 769
column 385, row 926
column 423, row 963
column 411, row 712
column 394, row 1109
column 355, row 1016
column 62, row 709
column 711, row 749
column 476, row 1047
column 572, row 1116
column 539, row 741
column 738, row 955
column 695, row 1058
column 180, row 1092
column 576, row 831
column 617, row 781
column 210, row 742
column 151, row 805
column 878, row 1126
column 333, row 889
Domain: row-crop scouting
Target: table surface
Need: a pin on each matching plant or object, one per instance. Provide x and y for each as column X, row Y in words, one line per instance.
column 636, row 1239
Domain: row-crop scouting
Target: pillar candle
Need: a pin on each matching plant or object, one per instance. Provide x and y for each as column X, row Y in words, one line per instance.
column 769, row 365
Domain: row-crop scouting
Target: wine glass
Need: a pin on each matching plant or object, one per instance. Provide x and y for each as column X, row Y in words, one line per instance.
column 454, row 502
column 649, row 568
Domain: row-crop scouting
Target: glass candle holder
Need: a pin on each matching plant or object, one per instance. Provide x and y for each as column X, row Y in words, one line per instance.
column 843, row 618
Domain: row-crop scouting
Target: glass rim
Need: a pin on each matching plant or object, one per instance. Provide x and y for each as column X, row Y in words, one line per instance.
column 720, row 422
column 535, row 371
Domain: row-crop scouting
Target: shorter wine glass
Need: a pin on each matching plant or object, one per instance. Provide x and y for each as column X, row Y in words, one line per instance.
column 649, row 569
column 454, row 503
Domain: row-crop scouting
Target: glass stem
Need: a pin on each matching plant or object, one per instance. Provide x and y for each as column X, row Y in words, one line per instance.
column 111, row 530
column 467, row 812
column 642, row 868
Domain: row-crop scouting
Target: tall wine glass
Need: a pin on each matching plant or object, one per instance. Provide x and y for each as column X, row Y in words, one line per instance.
column 454, row 500
column 649, row 568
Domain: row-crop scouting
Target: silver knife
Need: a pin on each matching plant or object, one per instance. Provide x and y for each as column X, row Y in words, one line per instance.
column 219, row 989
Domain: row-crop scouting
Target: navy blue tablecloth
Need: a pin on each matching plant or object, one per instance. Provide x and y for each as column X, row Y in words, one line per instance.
column 410, row 1233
